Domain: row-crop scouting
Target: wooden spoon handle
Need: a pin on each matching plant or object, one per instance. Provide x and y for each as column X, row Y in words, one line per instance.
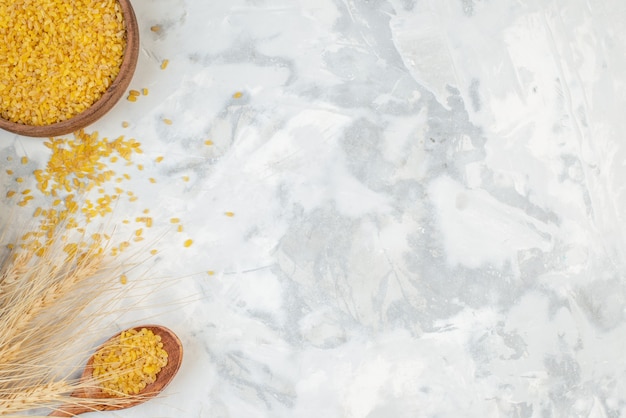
column 70, row 411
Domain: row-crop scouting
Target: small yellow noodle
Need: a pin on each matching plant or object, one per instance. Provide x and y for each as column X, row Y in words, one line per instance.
column 128, row 364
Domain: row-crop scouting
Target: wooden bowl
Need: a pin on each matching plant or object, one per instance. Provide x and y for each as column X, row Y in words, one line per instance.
column 108, row 99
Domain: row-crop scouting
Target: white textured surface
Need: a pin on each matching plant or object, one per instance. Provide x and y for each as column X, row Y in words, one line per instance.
column 428, row 197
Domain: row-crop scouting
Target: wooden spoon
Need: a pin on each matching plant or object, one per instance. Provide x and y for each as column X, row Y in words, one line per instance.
column 108, row 99
column 174, row 349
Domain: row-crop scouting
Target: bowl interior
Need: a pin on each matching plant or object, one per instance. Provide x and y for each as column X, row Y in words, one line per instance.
column 108, row 99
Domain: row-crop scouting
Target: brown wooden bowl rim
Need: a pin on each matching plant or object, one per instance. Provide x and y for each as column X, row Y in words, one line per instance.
column 108, row 99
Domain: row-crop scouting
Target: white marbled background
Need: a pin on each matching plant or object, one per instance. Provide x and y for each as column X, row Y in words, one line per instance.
column 429, row 205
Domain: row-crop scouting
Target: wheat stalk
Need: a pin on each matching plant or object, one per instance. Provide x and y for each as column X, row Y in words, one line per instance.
column 49, row 309
column 31, row 397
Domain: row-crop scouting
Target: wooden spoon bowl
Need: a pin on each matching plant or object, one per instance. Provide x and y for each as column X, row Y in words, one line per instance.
column 174, row 349
column 108, row 99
